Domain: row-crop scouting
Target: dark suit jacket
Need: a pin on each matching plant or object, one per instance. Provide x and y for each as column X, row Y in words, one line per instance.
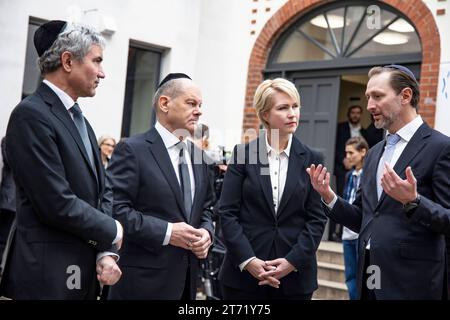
column 342, row 135
column 7, row 186
column 410, row 252
column 252, row 228
column 147, row 196
column 63, row 211
column 373, row 135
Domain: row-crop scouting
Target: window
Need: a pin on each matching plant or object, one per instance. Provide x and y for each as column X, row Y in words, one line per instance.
column 32, row 75
column 347, row 31
column 141, row 82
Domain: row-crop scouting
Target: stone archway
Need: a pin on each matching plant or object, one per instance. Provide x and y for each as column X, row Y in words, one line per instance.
column 415, row 10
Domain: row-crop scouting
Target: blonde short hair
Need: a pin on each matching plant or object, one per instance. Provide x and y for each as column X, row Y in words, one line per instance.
column 263, row 95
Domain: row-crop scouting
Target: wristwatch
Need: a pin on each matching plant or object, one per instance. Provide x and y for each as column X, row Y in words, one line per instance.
column 411, row 206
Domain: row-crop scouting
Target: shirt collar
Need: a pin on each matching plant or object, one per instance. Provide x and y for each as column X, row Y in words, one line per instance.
column 66, row 100
column 167, row 137
column 408, row 130
column 286, row 151
column 357, row 172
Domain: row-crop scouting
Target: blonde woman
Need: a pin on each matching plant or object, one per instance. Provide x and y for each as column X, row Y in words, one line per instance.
column 272, row 219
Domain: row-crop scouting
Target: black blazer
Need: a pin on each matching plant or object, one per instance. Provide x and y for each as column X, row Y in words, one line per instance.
column 409, row 251
column 252, row 228
column 63, row 209
column 147, row 196
column 7, row 186
column 342, row 135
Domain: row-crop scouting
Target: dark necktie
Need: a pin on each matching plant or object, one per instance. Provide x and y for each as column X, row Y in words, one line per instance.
column 185, row 180
column 78, row 119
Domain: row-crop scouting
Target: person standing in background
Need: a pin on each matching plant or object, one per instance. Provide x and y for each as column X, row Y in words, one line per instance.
column 356, row 150
column 106, row 143
column 345, row 130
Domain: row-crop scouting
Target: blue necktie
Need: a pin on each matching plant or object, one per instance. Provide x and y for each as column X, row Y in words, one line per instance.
column 185, row 180
column 78, row 119
column 391, row 141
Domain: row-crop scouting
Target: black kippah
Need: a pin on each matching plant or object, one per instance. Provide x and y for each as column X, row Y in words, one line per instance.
column 403, row 69
column 46, row 35
column 173, row 76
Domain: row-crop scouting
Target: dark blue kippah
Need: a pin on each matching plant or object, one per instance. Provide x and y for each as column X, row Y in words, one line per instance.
column 46, row 35
column 403, row 69
column 173, row 76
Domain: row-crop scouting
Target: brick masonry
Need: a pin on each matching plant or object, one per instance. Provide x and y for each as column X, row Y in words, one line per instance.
column 415, row 10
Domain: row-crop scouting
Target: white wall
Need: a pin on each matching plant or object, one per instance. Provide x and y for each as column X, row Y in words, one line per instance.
column 170, row 24
column 207, row 39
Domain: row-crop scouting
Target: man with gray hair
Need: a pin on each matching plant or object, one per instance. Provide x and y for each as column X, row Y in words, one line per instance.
column 65, row 239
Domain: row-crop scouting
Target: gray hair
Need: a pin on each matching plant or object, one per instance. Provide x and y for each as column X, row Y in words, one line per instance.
column 76, row 39
column 172, row 89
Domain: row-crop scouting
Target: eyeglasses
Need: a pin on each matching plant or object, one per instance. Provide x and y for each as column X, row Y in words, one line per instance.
column 402, row 69
column 108, row 144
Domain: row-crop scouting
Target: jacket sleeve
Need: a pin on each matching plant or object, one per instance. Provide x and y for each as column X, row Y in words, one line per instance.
column 143, row 228
column 238, row 246
column 435, row 213
column 34, row 158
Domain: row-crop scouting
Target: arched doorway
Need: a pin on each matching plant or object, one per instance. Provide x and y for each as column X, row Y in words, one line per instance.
column 318, row 62
column 327, row 54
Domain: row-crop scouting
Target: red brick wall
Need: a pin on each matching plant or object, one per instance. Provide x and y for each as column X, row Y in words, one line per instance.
column 415, row 10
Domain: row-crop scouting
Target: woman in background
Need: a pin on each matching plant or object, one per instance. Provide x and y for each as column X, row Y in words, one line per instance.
column 106, row 144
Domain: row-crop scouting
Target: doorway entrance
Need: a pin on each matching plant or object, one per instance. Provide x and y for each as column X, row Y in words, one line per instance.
column 327, row 54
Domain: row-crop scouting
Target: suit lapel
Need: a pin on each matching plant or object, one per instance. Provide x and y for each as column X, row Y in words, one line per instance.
column 259, row 150
column 197, row 166
column 97, row 160
column 58, row 109
column 371, row 169
column 295, row 169
column 159, row 152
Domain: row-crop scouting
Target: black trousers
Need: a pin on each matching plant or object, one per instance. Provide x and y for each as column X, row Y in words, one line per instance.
column 366, row 293
column 186, row 296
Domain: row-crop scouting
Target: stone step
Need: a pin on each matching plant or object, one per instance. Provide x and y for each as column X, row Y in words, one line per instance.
column 331, row 271
column 330, row 290
column 330, row 252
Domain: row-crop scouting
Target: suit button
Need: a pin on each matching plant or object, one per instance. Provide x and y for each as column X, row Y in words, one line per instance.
column 377, row 213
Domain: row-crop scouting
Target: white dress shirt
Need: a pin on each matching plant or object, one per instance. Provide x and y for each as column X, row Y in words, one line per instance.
column 278, row 168
column 355, row 131
column 68, row 103
column 405, row 133
column 170, row 142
